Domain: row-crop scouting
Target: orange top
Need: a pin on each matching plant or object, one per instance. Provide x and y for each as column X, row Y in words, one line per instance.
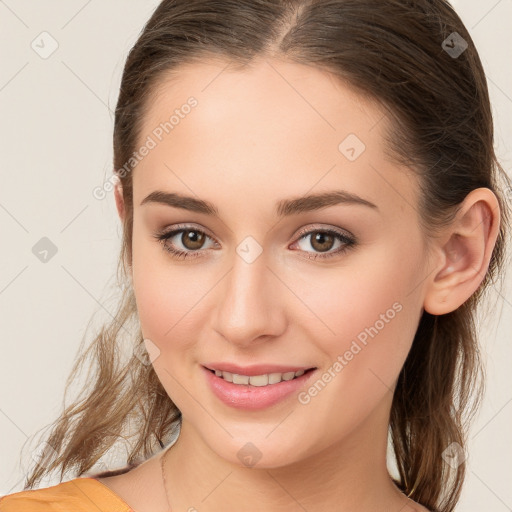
column 77, row 495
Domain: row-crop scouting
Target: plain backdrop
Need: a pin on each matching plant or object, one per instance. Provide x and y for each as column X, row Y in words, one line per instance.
column 56, row 137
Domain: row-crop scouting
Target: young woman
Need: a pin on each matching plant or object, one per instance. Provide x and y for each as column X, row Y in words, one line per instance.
column 311, row 213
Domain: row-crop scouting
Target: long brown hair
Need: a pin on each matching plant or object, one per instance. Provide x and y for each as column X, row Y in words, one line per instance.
column 393, row 52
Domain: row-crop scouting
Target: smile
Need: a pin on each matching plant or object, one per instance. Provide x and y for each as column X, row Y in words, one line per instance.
column 256, row 391
column 266, row 379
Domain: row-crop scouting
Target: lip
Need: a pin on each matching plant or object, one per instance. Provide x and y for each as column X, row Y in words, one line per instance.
column 241, row 396
column 255, row 369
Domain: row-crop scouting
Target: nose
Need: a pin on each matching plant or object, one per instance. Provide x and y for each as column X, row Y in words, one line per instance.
column 251, row 303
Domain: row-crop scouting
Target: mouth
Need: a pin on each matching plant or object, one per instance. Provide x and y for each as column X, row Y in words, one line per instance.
column 261, row 380
column 259, row 390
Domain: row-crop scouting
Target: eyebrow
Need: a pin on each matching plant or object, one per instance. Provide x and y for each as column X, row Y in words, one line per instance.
column 284, row 207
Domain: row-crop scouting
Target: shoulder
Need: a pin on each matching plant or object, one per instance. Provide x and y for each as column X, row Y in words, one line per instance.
column 78, row 495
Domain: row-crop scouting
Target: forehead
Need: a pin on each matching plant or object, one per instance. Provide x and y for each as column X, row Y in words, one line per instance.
column 274, row 129
column 268, row 95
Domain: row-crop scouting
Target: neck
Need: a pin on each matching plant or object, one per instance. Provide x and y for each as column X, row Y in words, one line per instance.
column 351, row 475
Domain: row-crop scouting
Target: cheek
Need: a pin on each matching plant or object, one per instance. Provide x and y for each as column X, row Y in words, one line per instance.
column 167, row 304
column 366, row 314
column 371, row 318
column 167, row 294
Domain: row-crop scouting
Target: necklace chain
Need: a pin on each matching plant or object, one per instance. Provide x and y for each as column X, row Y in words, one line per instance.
column 162, row 464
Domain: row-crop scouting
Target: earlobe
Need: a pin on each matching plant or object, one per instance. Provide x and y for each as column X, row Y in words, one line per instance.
column 118, row 194
column 464, row 252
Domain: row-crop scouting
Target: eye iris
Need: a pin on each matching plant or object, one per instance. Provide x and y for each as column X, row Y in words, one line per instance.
column 192, row 237
column 321, row 238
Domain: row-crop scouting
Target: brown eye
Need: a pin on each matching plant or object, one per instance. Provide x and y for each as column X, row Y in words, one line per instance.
column 183, row 243
column 322, row 241
column 329, row 241
column 192, row 239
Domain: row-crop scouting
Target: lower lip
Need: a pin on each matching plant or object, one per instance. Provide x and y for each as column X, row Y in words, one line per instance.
column 245, row 396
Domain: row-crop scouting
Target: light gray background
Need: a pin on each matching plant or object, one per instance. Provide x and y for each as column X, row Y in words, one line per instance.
column 56, row 135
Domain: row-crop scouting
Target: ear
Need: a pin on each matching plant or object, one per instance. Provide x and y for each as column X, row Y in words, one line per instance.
column 463, row 253
column 118, row 194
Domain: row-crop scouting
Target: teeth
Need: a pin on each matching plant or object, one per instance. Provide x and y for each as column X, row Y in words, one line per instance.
column 258, row 380
column 240, row 379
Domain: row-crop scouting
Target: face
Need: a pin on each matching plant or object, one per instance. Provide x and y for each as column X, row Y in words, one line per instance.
column 337, row 288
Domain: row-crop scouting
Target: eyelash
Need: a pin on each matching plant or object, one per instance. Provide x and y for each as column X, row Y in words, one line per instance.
column 163, row 238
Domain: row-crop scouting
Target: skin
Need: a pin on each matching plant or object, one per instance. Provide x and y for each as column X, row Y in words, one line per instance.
column 258, row 136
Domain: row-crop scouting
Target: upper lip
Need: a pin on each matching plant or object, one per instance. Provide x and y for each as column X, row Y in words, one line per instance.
column 255, row 369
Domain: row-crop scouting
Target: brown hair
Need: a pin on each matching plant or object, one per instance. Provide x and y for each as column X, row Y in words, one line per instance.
column 390, row 51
